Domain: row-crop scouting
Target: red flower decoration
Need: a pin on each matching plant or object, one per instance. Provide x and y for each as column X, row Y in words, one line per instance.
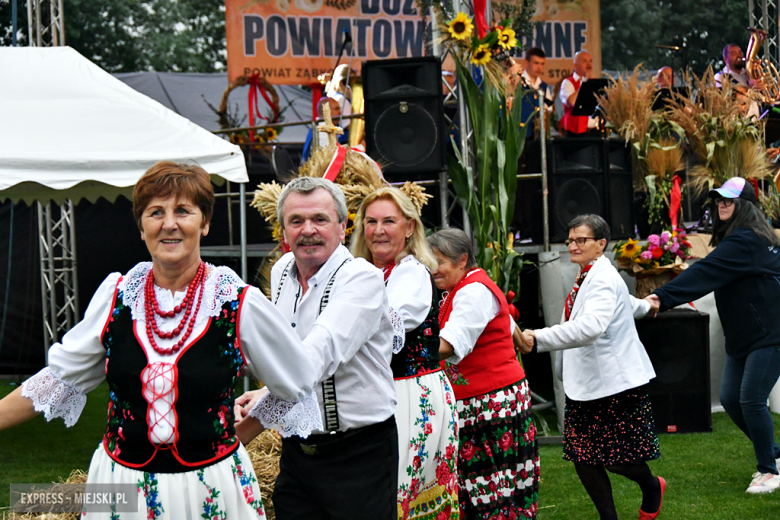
column 506, row 441
column 658, row 252
column 467, row 450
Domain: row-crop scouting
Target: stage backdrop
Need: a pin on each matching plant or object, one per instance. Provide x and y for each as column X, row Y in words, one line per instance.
column 291, row 42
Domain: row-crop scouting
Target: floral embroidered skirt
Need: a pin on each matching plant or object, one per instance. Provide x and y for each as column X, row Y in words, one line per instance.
column 498, row 467
column 617, row 429
column 426, row 415
column 225, row 490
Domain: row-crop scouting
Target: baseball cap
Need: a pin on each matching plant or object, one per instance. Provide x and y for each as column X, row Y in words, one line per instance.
column 735, row 188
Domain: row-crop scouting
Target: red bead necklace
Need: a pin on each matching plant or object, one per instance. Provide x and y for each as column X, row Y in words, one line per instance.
column 151, row 309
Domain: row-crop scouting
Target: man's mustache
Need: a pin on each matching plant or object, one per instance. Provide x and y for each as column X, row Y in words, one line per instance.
column 310, row 241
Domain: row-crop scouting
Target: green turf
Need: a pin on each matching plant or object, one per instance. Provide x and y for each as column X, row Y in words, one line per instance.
column 706, row 473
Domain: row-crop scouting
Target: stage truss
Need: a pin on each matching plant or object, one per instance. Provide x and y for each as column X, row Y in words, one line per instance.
column 56, row 223
column 764, row 15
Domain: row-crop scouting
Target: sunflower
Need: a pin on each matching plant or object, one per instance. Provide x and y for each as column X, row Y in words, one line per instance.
column 351, row 220
column 507, row 38
column 481, row 56
column 630, row 249
column 271, row 134
column 460, row 28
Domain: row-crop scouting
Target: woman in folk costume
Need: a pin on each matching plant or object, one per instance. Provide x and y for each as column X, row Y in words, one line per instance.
column 498, row 465
column 608, row 420
column 171, row 338
column 390, row 234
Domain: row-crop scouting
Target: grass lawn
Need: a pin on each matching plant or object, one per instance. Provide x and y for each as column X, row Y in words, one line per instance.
column 706, row 474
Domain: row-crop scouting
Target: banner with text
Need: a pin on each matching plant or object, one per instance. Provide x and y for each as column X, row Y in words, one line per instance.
column 292, row 42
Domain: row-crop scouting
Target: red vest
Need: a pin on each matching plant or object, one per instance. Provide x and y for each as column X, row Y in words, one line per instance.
column 493, row 362
column 574, row 124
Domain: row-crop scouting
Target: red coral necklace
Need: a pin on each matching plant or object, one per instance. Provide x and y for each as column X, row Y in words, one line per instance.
column 151, row 309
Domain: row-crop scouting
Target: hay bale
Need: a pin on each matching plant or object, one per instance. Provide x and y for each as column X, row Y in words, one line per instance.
column 264, row 452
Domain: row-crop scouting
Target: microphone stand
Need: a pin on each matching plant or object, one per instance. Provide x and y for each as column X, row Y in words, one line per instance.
column 347, row 40
column 674, row 49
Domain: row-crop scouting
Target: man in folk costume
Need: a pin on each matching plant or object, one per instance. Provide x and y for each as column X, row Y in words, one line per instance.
column 576, row 126
column 349, row 470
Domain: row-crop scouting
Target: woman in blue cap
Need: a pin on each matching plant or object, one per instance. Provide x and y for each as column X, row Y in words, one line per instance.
column 744, row 272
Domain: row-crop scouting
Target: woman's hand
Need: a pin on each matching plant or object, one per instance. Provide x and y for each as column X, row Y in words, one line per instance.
column 655, row 304
column 246, row 402
column 15, row 409
column 248, row 429
column 445, row 349
column 528, row 340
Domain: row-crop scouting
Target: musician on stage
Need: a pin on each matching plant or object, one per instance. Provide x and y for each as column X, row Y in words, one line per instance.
column 531, row 78
column 576, row 126
column 664, row 78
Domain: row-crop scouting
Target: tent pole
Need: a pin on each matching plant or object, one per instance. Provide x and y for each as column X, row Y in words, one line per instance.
column 244, row 270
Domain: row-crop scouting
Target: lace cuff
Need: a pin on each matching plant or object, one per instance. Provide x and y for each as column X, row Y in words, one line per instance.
column 399, row 332
column 54, row 397
column 289, row 417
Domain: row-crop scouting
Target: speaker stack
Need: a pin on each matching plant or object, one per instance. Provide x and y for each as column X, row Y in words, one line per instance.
column 403, row 111
column 678, row 343
column 584, row 175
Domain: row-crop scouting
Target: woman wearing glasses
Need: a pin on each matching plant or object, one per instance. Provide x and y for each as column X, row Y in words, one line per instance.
column 608, row 421
column 744, row 273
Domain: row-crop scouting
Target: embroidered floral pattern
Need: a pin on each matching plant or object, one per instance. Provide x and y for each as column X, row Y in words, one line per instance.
column 425, row 495
column 149, row 488
column 453, row 372
column 246, row 479
column 499, row 459
column 118, row 412
column 210, row 506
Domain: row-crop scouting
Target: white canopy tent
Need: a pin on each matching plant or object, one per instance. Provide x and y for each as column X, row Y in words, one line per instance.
column 70, row 131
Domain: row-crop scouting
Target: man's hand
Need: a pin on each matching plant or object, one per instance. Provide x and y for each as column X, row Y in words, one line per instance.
column 655, row 304
column 246, row 402
column 528, row 337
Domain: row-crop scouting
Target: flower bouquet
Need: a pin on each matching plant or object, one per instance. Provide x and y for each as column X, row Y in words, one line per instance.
column 656, row 262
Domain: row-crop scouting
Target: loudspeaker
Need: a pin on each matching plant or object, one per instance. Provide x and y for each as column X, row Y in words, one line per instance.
column 678, row 343
column 403, row 109
column 590, row 175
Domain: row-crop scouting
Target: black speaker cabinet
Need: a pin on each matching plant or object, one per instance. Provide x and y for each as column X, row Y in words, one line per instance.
column 678, row 343
column 590, row 175
column 403, row 109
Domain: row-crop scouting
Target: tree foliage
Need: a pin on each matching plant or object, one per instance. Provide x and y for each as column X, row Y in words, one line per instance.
column 135, row 35
column 630, row 30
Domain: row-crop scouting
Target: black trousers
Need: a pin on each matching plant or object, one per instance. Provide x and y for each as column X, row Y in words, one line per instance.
column 353, row 476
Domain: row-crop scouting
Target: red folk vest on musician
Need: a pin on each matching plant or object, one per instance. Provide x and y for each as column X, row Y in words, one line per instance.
column 493, row 363
column 574, row 124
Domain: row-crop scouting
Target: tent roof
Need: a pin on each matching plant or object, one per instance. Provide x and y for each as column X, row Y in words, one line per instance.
column 71, row 130
column 189, row 95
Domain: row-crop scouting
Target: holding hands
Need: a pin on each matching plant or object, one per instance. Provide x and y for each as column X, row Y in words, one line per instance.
column 655, row 304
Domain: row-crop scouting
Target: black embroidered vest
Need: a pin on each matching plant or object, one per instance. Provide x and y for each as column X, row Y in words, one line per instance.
column 204, row 378
column 420, row 354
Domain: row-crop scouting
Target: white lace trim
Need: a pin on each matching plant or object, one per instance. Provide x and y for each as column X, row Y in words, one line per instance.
column 399, row 331
column 289, row 417
column 221, row 286
column 54, row 397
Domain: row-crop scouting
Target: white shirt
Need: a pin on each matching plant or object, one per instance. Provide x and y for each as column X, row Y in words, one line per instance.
column 409, row 292
column 736, row 78
column 536, row 84
column 272, row 351
column 567, row 89
column 352, row 338
column 473, row 307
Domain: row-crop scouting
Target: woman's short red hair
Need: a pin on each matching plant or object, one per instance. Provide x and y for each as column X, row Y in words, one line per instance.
column 183, row 181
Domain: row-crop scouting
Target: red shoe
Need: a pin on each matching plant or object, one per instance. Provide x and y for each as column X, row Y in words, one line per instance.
column 653, row 516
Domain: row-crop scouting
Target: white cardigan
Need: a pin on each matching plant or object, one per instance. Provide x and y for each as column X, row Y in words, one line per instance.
column 601, row 352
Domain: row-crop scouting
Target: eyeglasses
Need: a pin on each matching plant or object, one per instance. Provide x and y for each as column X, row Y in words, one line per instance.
column 725, row 202
column 580, row 241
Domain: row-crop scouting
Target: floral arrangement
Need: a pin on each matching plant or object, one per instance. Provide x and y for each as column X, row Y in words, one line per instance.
column 655, row 263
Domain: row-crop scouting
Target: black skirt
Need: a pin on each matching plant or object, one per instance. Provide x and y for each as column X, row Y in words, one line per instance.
column 617, row 429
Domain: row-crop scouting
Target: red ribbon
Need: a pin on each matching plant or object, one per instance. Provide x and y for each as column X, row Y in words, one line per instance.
column 316, row 95
column 335, row 164
column 510, row 297
column 755, row 185
column 255, row 86
column 676, row 197
column 479, row 17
